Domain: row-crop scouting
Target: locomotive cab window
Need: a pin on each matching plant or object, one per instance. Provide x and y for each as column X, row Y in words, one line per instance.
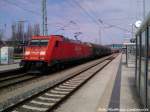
column 35, row 42
column 43, row 42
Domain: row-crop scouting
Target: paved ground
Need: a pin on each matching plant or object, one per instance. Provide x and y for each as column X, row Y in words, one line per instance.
column 129, row 97
column 113, row 87
column 10, row 66
column 23, row 91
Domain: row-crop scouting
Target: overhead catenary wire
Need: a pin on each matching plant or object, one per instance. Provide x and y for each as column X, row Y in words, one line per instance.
column 112, row 25
column 97, row 20
column 86, row 12
column 80, row 28
column 27, row 10
column 16, row 5
column 75, row 2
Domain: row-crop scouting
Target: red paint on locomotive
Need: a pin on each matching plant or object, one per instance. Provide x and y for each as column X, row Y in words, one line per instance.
column 54, row 49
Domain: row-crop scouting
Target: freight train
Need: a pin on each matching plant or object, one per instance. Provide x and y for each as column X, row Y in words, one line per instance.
column 44, row 52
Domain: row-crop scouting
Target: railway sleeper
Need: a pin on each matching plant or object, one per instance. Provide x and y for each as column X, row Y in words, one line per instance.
column 48, row 98
column 67, row 84
column 63, row 89
column 66, row 87
column 59, row 92
column 53, row 95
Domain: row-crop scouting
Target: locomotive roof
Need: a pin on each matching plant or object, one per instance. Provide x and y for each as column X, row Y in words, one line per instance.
column 70, row 40
column 40, row 37
column 45, row 37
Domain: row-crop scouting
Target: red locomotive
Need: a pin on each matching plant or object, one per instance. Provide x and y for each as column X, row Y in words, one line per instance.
column 47, row 51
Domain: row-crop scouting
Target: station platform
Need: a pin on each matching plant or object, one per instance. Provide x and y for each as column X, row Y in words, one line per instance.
column 9, row 66
column 112, row 89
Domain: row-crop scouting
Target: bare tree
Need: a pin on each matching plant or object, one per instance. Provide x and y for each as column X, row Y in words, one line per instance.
column 1, row 37
column 29, row 33
column 19, row 34
column 1, row 34
column 13, row 38
column 36, row 29
column 20, row 31
column 14, row 32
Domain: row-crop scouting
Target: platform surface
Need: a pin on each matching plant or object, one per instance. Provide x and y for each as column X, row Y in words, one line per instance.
column 14, row 65
column 112, row 88
column 9, row 67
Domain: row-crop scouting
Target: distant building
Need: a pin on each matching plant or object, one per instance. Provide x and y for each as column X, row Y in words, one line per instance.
column 116, row 46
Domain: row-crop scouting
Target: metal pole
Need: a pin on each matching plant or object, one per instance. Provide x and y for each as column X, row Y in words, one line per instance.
column 143, row 9
column 46, row 29
column 126, row 55
column 100, row 34
column 132, row 30
column 44, row 18
column 43, row 22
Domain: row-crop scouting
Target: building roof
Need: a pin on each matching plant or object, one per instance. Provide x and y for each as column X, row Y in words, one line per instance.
column 128, row 43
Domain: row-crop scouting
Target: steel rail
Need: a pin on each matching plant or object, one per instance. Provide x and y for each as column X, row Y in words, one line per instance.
column 50, row 98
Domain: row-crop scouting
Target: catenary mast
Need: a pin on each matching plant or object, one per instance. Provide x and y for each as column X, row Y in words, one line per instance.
column 44, row 18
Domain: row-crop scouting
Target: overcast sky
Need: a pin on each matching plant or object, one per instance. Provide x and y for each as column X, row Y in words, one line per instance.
column 119, row 14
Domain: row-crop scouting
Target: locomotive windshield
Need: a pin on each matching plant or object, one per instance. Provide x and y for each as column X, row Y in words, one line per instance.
column 39, row 42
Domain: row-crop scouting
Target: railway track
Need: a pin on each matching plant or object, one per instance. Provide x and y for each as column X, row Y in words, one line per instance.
column 50, row 98
column 8, row 73
column 8, row 81
column 5, row 78
column 13, row 77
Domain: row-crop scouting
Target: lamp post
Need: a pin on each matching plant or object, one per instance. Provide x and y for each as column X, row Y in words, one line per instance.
column 135, row 26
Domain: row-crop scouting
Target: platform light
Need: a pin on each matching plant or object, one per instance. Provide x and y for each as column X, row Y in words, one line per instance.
column 138, row 23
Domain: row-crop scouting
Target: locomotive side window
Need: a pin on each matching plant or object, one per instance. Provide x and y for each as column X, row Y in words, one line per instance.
column 39, row 42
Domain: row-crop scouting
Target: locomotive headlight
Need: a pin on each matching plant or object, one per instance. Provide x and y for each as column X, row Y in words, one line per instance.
column 42, row 53
column 27, row 52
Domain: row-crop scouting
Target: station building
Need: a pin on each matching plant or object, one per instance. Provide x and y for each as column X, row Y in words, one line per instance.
column 142, row 71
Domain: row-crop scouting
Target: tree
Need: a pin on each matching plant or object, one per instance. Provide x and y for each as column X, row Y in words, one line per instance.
column 36, row 29
column 14, row 32
column 29, row 33
column 14, row 36
column 20, row 31
column 1, row 34
column 1, row 37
